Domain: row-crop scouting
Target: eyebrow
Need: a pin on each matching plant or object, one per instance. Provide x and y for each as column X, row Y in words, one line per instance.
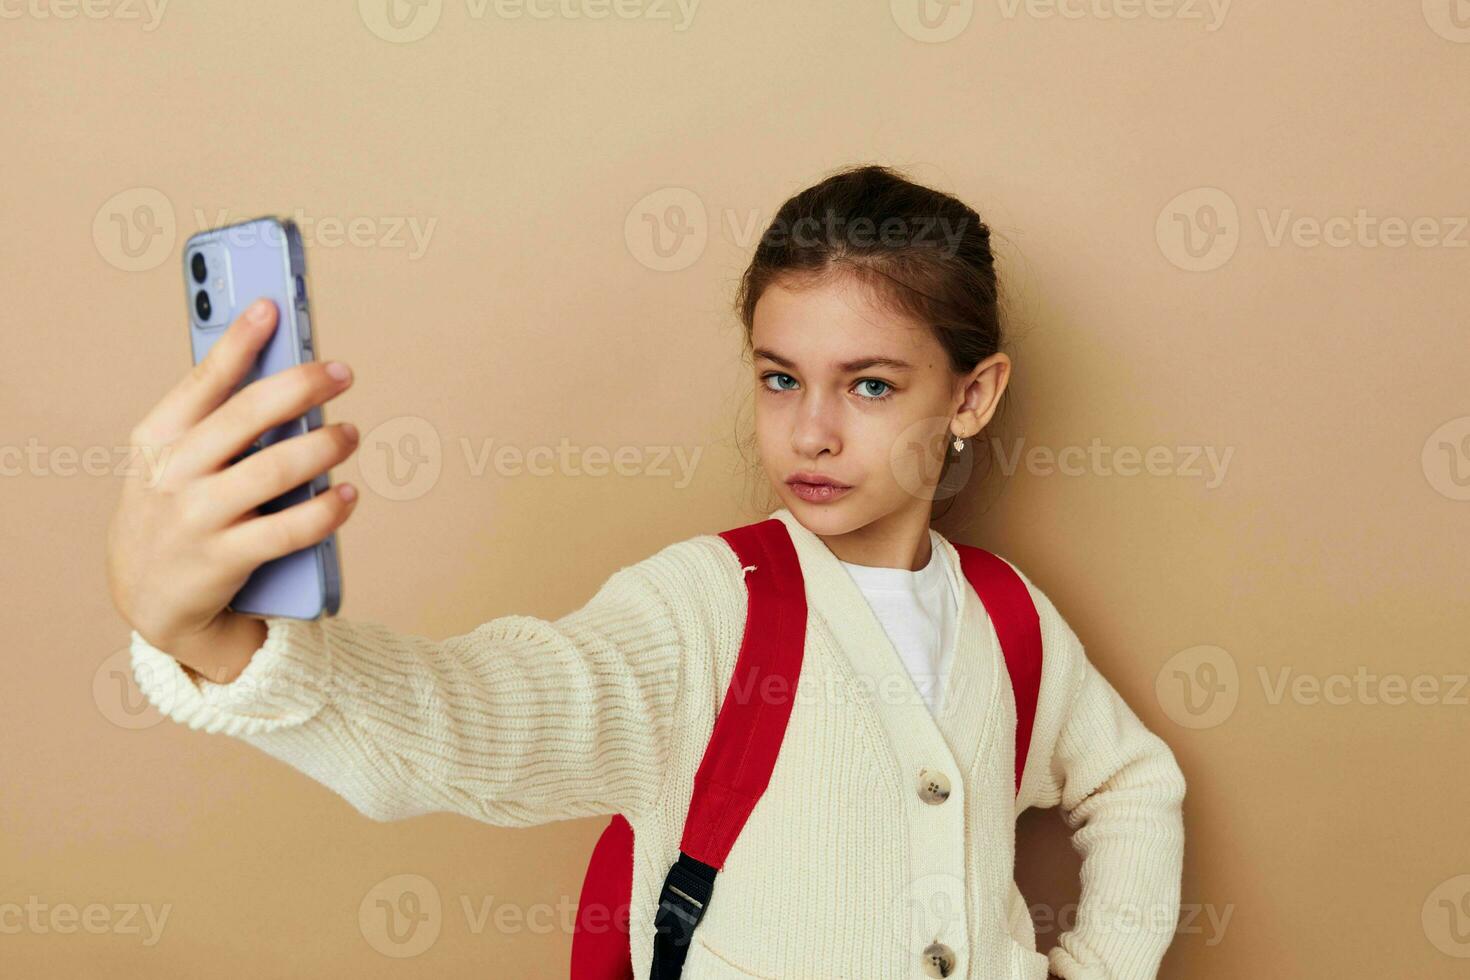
column 861, row 364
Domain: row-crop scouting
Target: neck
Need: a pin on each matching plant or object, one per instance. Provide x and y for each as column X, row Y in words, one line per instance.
column 897, row 540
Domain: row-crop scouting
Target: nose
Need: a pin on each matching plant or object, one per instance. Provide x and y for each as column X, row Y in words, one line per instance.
column 814, row 429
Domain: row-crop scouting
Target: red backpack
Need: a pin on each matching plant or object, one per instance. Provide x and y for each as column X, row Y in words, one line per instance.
column 742, row 750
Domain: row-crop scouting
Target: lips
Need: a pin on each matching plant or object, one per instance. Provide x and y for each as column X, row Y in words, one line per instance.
column 816, row 480
column 815, row 488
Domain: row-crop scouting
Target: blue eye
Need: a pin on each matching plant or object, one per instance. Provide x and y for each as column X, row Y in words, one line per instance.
column 887, row 391
column 768, row 377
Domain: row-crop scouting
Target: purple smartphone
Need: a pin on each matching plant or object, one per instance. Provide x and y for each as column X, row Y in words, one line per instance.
column 225, row 270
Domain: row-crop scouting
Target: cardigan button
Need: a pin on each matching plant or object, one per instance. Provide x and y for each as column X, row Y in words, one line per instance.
column 933, row 786
column 938, row 960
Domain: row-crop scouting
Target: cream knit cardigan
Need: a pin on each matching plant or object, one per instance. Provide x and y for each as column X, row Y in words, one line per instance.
column 843, row 870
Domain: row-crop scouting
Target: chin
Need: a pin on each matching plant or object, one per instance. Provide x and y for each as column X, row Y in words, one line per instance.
column 830, row 519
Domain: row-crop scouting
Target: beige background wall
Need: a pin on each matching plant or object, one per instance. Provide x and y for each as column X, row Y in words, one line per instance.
column 1327, row 382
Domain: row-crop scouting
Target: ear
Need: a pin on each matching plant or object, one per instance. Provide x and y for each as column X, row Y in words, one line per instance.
column 979, row 394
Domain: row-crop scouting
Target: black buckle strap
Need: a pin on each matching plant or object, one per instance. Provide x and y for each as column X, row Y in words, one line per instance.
column 681, row 905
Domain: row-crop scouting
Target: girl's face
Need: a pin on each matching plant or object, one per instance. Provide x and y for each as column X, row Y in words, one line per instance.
column 848, row 390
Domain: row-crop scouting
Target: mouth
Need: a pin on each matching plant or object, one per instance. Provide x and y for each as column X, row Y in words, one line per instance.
column 815, row 487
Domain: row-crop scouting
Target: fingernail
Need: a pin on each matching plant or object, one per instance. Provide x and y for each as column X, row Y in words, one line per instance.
column 338, row 370
column 346, row 491
column 349, row 430
column 259, row 311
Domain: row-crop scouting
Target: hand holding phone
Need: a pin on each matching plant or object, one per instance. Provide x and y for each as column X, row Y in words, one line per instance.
column 226, row 269
column 185, row 535
column 230, row 477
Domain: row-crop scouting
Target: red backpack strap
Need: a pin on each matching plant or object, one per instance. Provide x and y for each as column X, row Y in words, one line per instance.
column 1009, row 605
column 747, row 734
column 751, row 725
column 732, row 776
column 600, row 949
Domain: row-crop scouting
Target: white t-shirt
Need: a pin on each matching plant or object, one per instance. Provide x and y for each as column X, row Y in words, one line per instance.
column 918, row 611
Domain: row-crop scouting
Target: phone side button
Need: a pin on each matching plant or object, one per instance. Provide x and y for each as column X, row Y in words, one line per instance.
column 313, row 418
column 319, row 485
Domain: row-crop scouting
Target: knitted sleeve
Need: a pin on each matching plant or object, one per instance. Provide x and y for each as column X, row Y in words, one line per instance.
column 518, row 722
column 1121, row 791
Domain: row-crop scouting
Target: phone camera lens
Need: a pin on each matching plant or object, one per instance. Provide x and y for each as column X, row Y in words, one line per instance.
column 202, row 305
column 199, row 268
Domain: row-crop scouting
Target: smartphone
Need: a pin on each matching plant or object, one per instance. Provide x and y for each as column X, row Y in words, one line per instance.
column 225, row 270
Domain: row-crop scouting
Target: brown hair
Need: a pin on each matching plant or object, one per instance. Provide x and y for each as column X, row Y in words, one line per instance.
column 923, row 253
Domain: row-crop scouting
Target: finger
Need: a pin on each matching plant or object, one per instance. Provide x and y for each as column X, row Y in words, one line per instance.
column 273, row 400
column 213, row 378
column 274, row 470
column 257, row 540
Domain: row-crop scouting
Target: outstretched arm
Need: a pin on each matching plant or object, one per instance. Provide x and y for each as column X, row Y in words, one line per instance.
column 518, row 722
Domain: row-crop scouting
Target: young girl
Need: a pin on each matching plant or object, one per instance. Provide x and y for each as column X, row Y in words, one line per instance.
column 870, row 313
